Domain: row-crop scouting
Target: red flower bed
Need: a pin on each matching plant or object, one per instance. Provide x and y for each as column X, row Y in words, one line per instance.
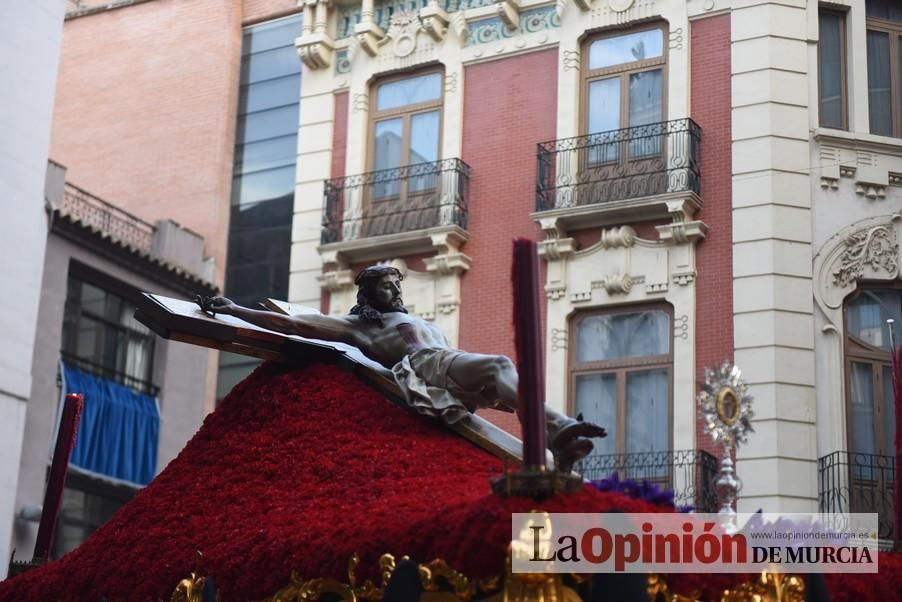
column 296, row 471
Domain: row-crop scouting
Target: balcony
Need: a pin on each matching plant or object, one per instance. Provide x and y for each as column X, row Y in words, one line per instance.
column 859, row 483
column 96, row 213
column 396, row 211
column 641, row 172
column 689, row 474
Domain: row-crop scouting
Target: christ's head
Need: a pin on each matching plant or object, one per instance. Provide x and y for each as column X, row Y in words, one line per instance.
column 378, row 292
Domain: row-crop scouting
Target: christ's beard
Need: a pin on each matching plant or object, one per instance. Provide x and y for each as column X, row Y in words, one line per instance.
column 395, row 306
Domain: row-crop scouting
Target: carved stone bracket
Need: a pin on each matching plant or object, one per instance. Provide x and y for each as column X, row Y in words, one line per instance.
column 624, row 236
column 434, row 20
column 368, row 35
column 509, row 12
column 336, row 281
column 316, row 50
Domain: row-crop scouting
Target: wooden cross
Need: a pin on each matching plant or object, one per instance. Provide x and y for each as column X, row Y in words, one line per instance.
column 180, row 320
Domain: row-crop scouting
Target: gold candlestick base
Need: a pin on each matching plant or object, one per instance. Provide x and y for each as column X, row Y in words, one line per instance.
column 536, row 482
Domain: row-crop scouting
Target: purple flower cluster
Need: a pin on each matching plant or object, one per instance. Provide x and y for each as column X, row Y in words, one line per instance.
column 640, row 490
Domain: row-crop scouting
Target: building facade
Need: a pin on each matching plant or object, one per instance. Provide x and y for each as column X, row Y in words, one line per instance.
column 708, row 180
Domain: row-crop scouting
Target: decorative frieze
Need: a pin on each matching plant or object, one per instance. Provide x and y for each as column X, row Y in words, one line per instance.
column 875, row 249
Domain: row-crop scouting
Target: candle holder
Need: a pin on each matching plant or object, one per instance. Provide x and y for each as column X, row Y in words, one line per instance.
column 726, row 409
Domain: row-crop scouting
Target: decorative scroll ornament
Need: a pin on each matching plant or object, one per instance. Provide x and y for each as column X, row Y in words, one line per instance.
column 190, row 589
column 725, row 405
column 875, row 248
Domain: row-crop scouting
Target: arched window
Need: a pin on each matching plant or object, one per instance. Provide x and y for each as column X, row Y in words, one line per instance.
column 620, row 376
column 869, row 390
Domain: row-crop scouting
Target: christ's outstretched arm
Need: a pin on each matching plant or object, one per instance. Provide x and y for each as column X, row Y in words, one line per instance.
column 327, row 328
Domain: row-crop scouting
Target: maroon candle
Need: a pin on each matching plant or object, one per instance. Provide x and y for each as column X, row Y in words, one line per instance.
column 531, row 407
column 53, row 496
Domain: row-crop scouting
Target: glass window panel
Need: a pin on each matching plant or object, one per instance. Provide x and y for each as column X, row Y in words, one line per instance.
column 88, row 337
column 412, row 90
column 884, row 9
column 266, row 154
column 267, row 124
column 862, row 409
column 622, row 335
column 424, row 134
column 647, row 416
column 596, row 400
column 263, row 186
column 270, row 64
column 889, row 413
column 830, row 53
column 272, row 93
column 869, row 312
column 604, row 116
column 93, row 299
column 617, row 50
column 388, row 155
column 879, row 83
column 645, row 108
column 271, row 35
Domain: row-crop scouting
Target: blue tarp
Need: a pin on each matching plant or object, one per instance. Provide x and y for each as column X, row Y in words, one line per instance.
column 119, row 431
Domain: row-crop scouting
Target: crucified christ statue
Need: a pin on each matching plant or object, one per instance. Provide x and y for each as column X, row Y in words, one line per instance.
column 436, row 379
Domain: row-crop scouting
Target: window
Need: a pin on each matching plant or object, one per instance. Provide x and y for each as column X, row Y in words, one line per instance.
column 831, row 69
column 884, row 30
column 406, row 129
column 620, row 377
column 870, row 410
column 87, row 504
column 624, row 87
column 263, row 181
column 101, row 335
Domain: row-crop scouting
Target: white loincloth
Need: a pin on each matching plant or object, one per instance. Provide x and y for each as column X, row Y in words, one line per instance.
column 423, row 377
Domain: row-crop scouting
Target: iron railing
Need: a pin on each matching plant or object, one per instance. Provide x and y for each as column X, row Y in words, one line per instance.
column 690, row 474
column 105, row 372
column 109, row 219
column 391, row 201
column 634, row 162
column 853, row 482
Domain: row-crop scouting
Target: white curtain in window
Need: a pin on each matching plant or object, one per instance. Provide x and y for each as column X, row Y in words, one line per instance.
column 862, row 409
column 647, row 408
column 613, row 336
column 596, row 400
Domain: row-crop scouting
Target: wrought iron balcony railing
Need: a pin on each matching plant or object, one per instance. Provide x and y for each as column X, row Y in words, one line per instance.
column 392, row 201
column 690, row 474
column 117, row 376
column 853, row 482
column 109, row 219
column 634, row 162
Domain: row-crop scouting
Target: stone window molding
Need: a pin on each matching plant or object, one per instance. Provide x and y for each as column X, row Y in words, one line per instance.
column 621, row 270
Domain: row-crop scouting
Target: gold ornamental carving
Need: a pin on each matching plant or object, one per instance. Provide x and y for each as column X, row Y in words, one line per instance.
column 769, row 587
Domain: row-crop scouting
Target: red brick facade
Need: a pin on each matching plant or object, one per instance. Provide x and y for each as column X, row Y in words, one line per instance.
column 144, row 128
column 505, row 115
column 711, row 109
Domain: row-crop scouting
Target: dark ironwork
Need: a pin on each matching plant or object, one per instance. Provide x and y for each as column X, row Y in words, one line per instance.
column 850, row 482
column 100, row 371
column 690, row 474
column 390, row 201
column 119, row 225
column 634, row 162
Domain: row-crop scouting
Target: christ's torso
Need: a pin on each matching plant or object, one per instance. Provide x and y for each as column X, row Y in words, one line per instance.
column 401, row 335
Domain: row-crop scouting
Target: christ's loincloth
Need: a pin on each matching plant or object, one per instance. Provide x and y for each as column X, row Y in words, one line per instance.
column 429, row 389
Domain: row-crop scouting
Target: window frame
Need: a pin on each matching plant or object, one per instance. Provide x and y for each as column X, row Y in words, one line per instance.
column 69, row 340
column 858, row 351
column 893, row 29
column 843, row 68
column 623, row 71
column 406, row 112
column 620, row 367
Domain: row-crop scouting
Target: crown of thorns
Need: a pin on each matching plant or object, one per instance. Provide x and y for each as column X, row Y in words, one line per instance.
column 376, row 271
